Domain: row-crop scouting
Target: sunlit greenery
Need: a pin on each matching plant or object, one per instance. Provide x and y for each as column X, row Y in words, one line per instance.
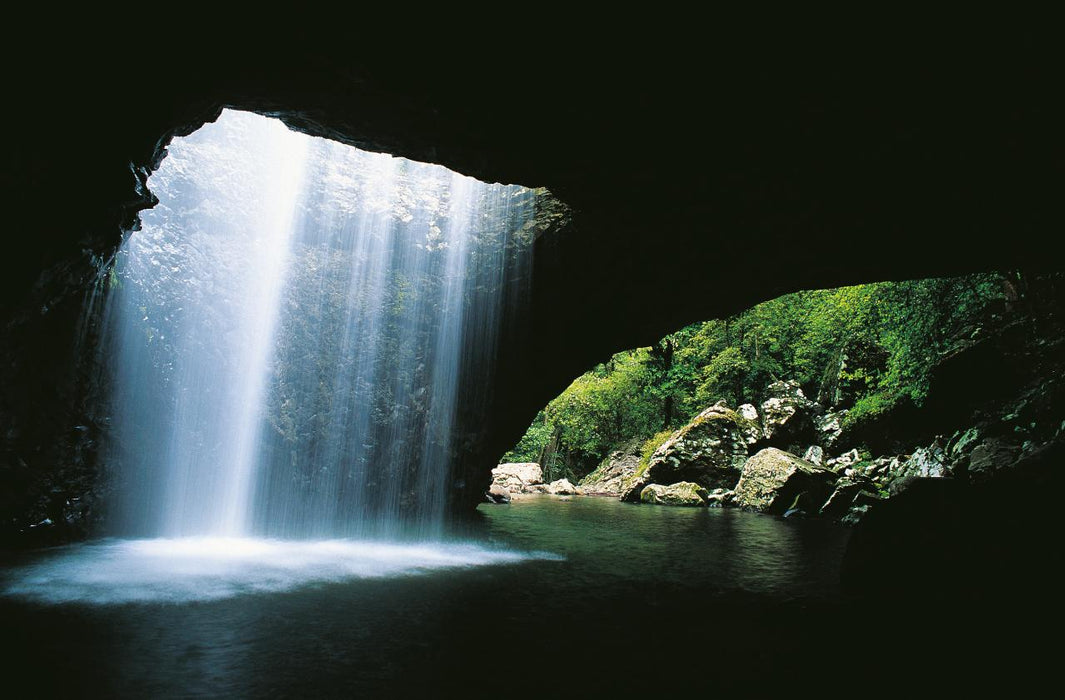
column 891, row 334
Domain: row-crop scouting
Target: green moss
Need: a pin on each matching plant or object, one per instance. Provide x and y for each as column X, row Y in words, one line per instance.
column 648, row 449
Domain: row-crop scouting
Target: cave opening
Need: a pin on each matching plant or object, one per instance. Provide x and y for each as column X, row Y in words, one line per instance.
column 657, row 583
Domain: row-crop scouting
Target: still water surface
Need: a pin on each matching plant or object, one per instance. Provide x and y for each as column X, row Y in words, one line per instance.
column 565, row 596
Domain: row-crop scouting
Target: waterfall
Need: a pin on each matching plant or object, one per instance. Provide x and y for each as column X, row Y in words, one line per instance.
column 291, row 333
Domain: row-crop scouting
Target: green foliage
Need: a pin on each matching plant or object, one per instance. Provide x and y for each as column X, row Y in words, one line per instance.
column 889, row 336
column 870, row 407
column 532, row 443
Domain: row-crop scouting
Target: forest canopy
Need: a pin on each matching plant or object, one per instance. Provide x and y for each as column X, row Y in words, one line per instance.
column 887, row 336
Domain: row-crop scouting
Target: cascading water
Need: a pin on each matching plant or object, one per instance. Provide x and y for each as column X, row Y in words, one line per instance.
column 289, row 339
column 290, row 329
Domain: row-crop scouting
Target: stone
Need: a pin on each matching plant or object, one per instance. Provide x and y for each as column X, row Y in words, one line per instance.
column 720, row 498
column 989, row 457
column 609, row 477
column 684, row 493
column 924, row 463
column 632, row 487
column 829, row 427
column 774, row 481
column 787, row 415
column 497, row 494
column 843, row 494
column 562, row 487
column 517, row 477
column 709, row 451
column 844, row 461
column 751, row 425
column 815, row 455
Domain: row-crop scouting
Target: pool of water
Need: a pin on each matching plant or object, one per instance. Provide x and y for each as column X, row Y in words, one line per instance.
column 583, row 596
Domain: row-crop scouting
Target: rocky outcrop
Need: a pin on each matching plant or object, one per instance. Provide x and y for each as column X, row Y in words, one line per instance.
column 788, row 416
column 609, row 477
column 684, row 493
column 517, row 477
column 709, row 451
column 774, row 481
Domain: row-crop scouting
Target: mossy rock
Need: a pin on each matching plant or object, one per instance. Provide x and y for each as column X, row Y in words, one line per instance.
column 684, row 493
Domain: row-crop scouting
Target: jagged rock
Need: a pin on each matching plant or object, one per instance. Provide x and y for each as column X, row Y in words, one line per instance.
column 684, row 493
column 609, row 477
column 829, row 427
column 774, row 481
column 562, row 487
column 497, row 494
column 517, row 477
column 844, row 461
column 842, row 498
column 927, row 462
column 815, row 455
column 787, row 415
column 990, row 456
column 709, row 451
column 751, row 425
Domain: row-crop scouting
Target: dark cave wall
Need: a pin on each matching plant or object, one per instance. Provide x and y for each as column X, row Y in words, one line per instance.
column 699, row 186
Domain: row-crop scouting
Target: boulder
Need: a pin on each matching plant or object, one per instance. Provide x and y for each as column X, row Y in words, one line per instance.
column 774, row 481
column 609, row 477
column 709, row 451
column 815, row 455
column 787, row 415
column 517, row 477
column 497, row 494
column 562, row 487
column 684, row 493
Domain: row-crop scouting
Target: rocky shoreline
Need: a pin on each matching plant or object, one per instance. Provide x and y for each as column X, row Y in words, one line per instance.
column 794, row 457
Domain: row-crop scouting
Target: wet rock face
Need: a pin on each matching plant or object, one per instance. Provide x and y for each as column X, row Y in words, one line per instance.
column 774, row 481
column 709, row 451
